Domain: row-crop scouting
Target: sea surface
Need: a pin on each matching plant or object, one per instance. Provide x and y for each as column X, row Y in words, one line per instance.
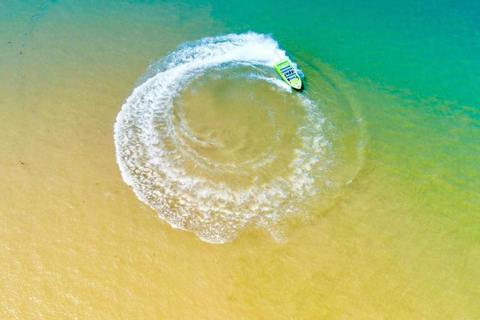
column 154, row 166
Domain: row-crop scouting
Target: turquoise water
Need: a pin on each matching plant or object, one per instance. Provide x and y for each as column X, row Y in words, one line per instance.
column 366, row 184
column 428, row 47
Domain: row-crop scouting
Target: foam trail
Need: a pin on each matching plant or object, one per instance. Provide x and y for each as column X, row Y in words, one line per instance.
column 157, row 154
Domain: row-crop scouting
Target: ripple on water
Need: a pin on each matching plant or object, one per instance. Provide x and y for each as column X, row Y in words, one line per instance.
column 215, row 143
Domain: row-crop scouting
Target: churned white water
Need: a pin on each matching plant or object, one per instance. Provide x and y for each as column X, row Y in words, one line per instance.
column 182, row 173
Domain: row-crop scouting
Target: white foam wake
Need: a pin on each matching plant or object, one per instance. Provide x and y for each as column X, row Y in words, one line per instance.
column 196, row 193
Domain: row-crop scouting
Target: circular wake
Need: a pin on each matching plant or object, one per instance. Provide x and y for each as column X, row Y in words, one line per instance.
column 215, row 143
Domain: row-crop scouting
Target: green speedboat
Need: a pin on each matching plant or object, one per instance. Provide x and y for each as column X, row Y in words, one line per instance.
column 288, row 73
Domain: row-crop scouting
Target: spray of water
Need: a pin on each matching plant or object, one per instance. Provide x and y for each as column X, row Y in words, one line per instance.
column 160, row 156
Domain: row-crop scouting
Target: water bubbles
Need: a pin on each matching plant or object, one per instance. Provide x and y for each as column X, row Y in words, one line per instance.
column 215, row 143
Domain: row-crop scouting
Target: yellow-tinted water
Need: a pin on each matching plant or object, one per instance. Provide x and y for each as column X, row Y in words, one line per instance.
column 76, row 243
